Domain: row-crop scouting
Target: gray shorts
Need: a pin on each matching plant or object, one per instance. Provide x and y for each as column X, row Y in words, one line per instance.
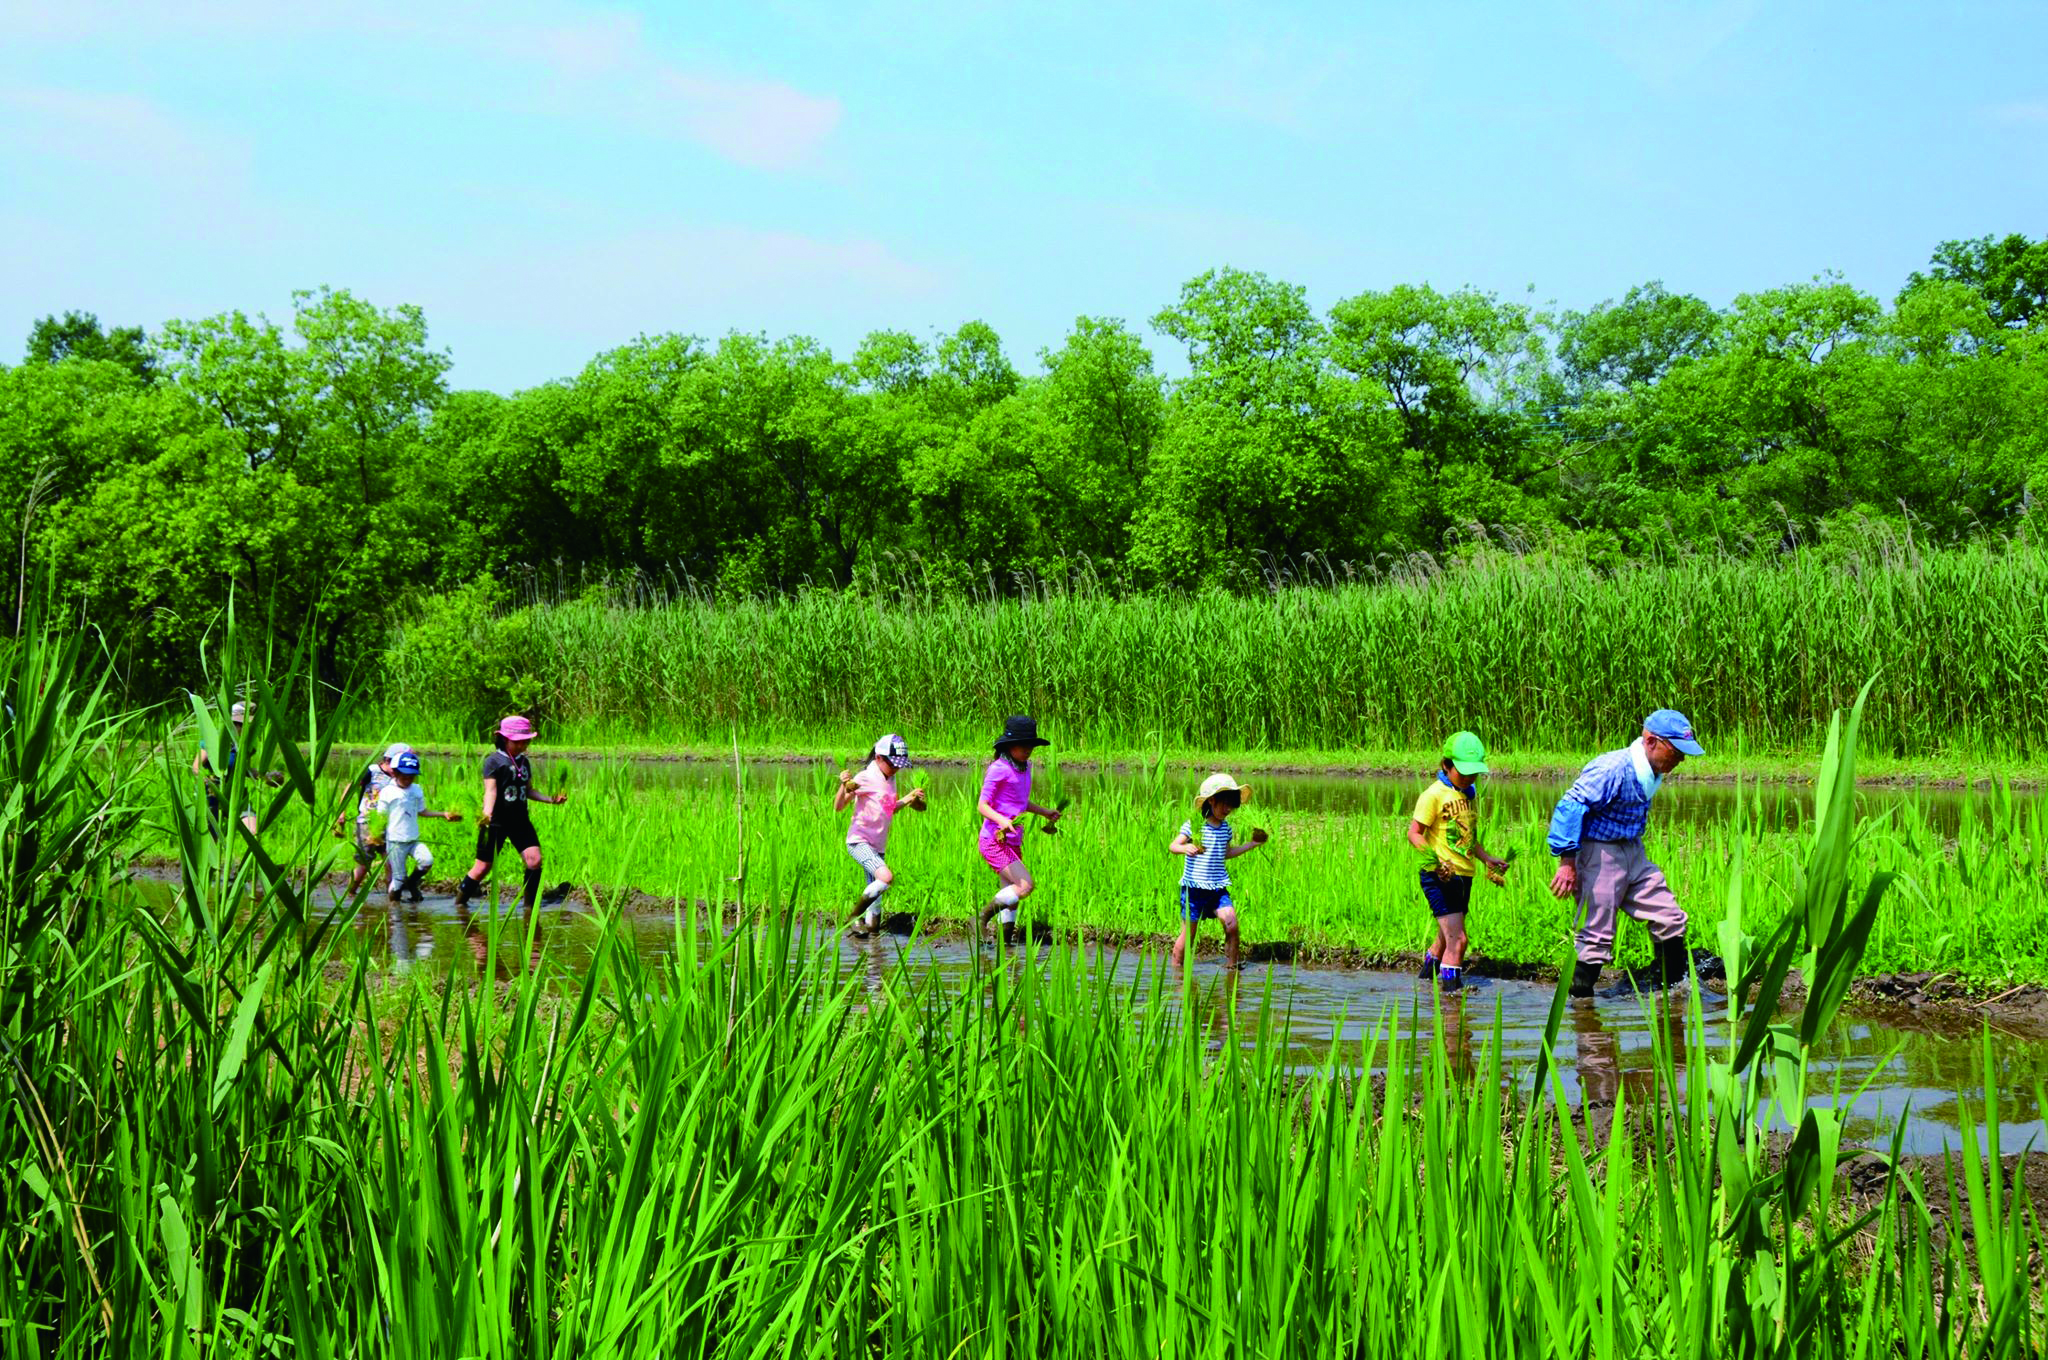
column 866, row 856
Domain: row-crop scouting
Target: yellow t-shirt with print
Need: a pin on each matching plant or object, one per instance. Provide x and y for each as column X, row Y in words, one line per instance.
column 1453, row 827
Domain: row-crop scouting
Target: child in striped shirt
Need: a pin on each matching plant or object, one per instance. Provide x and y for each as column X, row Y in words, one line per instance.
column 1205, row 879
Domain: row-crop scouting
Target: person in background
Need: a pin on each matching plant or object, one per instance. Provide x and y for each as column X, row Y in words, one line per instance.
column 216, row 787
column 508, row 789
column 1205, row 878
column 1006, row 796
column 871, row 791
column 1445, row 828
column 399, row 809
column 1597, row 835
column 367, row 788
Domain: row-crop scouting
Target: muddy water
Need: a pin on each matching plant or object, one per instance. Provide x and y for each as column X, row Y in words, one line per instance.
column 1889, row 1069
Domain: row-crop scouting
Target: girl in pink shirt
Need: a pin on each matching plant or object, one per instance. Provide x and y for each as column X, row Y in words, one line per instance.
column 872, row 792
column 1006, row 796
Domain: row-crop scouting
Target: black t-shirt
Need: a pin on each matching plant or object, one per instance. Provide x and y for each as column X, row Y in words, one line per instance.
column 515, row 781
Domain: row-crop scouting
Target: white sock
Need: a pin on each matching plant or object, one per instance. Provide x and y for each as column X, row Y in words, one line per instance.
column 1008, row 916
column 873, row 890
column 1006, row 897
column 874, row 916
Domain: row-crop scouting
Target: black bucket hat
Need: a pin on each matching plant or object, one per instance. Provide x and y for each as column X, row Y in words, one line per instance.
column 1020, row 731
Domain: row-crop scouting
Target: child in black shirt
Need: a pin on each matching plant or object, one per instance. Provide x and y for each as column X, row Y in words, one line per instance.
column 508, row 788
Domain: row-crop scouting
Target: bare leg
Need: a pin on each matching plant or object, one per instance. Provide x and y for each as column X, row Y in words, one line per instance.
column 1451, row 939
column 1228, row 917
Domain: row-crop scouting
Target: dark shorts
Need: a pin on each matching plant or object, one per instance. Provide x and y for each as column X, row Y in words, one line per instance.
column 1448, row 894
column 490, row 839
column 1202, row 904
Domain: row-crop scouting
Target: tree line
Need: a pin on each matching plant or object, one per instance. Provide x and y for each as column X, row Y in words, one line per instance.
column 322, row 469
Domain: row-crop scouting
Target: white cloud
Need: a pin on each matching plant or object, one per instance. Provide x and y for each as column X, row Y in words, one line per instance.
column 571, row 61
column 603, row 63
column 122, row 132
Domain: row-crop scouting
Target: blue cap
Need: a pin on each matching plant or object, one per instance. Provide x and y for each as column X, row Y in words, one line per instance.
column 1675, row 728
column 407, row 764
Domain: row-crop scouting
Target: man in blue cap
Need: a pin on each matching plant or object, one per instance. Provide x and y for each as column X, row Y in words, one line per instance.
column 1597, row 835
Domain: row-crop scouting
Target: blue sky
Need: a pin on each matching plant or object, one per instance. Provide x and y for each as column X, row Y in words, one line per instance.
column 548, row 180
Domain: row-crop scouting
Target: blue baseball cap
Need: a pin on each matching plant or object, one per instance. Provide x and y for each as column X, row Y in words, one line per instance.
column 1675, row 728
column 407, row 764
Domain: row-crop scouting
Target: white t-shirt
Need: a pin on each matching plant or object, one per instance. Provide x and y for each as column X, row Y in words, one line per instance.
column 403, row 806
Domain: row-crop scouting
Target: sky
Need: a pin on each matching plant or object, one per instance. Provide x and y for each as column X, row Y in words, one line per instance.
column 550, row 180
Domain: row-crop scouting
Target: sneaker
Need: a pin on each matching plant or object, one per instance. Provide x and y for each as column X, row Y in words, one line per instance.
column 1428, row 969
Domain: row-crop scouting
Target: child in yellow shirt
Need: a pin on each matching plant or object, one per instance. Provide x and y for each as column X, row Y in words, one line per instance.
column 1445, row 828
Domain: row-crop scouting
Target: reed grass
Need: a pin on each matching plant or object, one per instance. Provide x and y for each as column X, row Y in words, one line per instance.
column 1537, row 653
column 228, row 1137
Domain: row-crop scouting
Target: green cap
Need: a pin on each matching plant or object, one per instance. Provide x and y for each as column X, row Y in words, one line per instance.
column 1466, row 752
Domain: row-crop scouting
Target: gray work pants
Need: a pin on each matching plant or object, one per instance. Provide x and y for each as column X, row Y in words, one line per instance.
column 1616, row 878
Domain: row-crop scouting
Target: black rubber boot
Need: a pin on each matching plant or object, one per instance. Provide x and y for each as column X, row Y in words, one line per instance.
column 1585, row 976
column 465, row 889
column 411, row 886
column 532, row 893
column 1674, row 962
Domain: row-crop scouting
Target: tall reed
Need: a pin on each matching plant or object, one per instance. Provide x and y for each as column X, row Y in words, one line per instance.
column 1536, row 653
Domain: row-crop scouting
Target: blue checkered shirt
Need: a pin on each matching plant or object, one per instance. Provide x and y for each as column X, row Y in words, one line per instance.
column 1605, row 803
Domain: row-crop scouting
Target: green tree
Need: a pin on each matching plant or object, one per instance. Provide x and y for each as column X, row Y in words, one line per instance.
column 338, row 412
column 78, row 335
column 1461, row 374
column 2009, row 272
column 1633, row 342
column 1266, row 455
column 1104, row 408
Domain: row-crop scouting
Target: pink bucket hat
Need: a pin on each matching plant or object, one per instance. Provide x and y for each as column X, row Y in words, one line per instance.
column 516, row 728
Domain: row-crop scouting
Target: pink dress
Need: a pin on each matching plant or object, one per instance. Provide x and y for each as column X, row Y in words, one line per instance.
column 1007, row 789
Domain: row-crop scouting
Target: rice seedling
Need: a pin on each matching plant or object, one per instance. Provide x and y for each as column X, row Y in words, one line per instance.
column 231, row 1136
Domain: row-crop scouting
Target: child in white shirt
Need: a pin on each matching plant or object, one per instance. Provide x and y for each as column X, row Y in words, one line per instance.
column 399, row 809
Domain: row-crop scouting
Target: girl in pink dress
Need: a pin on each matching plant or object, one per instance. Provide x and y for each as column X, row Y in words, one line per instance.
column 1006, row 796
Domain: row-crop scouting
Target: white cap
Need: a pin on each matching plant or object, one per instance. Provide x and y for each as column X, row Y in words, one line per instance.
column 238, row 713
column 895, row 750
column 394, row 751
